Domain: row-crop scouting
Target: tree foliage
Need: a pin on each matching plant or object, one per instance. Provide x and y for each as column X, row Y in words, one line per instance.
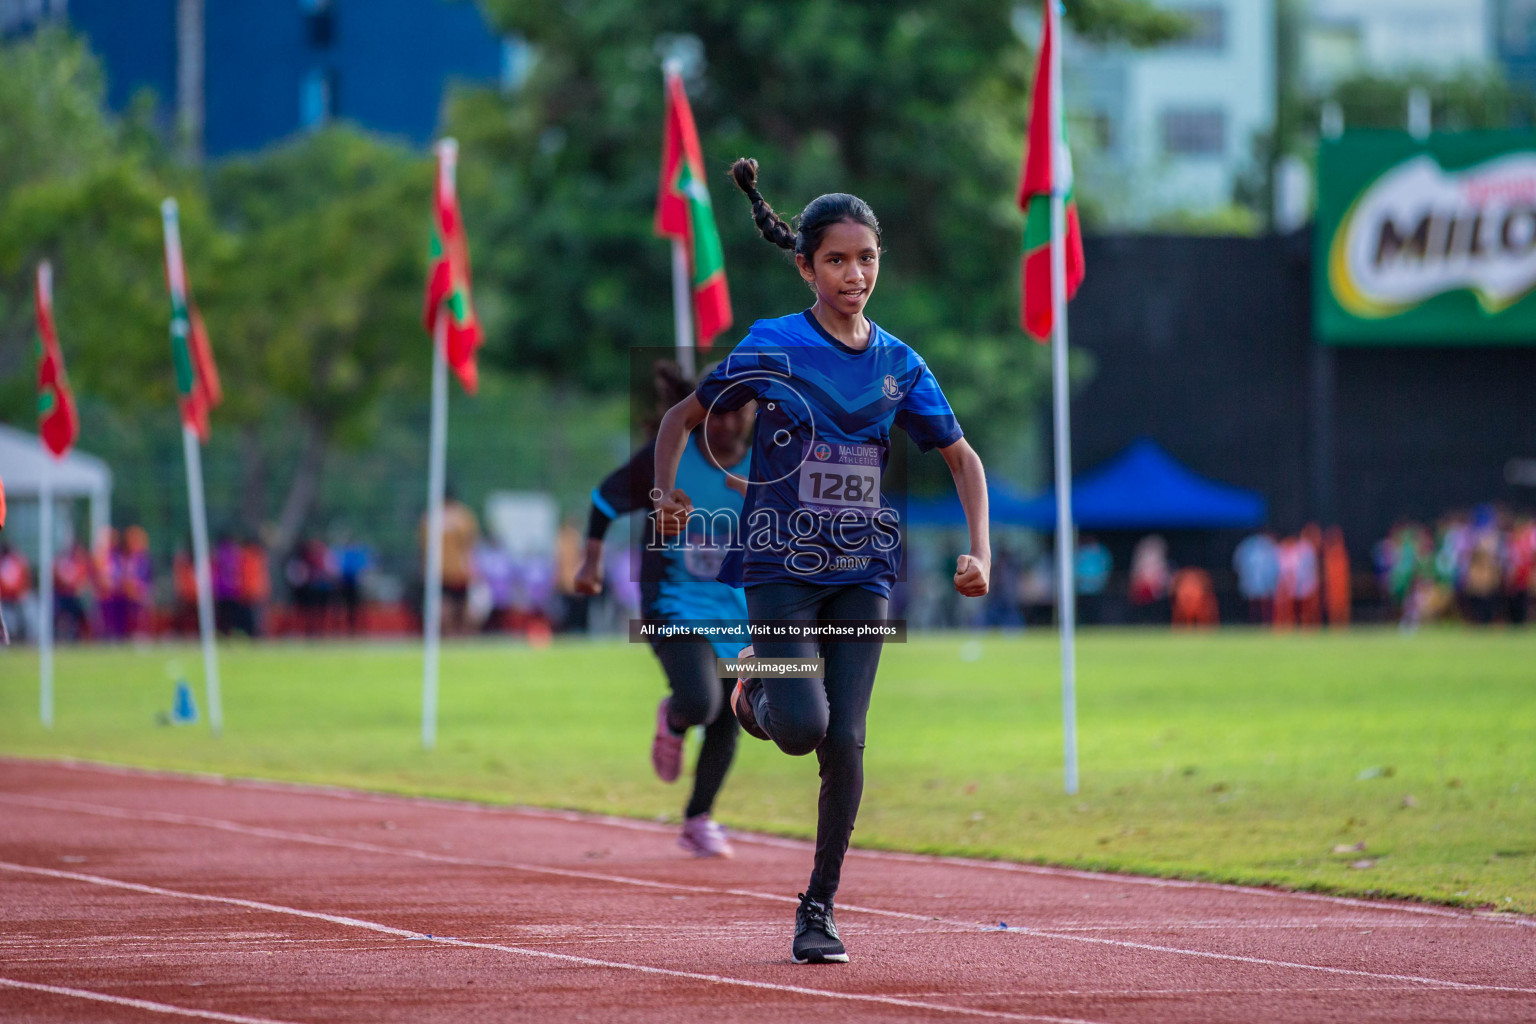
column 83, row 189
column 1468, row 100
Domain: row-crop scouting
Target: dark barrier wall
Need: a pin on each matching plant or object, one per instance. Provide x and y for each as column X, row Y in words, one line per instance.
column 1205, row 344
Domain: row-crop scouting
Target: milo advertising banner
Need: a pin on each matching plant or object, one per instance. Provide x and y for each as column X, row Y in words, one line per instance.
column 1426, row 242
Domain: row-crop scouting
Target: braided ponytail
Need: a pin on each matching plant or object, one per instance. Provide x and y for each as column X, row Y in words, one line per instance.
column 814, row 220
column 772, row 226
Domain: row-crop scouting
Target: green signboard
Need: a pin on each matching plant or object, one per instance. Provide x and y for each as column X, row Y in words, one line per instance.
column 1426, row 242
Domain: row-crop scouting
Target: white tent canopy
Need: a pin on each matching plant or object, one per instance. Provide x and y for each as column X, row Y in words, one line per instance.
column 23, row 460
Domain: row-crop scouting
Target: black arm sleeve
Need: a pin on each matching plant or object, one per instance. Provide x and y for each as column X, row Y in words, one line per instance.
column 623, row 491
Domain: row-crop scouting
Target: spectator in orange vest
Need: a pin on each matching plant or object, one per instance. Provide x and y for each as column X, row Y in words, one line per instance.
column 184, row 583
column 1194, row 599
column 1336, row 577
column 16, row 592
column 255, row 585
column 1309, row 589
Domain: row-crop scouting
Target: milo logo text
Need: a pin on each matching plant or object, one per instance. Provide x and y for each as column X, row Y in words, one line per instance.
column 1419, row 231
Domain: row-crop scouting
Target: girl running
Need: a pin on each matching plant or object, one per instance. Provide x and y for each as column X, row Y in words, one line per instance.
column 678, row 587
column 819, row 540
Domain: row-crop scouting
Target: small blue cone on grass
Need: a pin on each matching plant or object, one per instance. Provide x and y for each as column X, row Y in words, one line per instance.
column 184, row 708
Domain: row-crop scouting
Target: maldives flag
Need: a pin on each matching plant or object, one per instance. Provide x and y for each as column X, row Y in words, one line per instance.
column 683, row 213
column 1038, row 180
column 57, row 422
column 197, row 378
column 448, row 277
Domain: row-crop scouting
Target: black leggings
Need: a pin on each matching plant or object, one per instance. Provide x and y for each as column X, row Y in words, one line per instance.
column 699, row 698
column 825, row 715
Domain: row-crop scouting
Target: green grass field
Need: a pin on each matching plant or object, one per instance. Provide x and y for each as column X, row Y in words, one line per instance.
column 1234, row 756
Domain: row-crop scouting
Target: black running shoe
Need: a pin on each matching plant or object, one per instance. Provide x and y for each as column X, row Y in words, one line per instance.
column 816, row 940
column 741, row 706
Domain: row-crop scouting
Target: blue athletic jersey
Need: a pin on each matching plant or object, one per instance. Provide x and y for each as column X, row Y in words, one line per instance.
column 815, row 511
column 678, row 576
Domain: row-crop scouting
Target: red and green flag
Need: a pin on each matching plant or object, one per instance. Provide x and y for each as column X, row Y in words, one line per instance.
column 683, row 213
column 1040, row 178
column 57, row 422
column 448, row 277
column 197, row 377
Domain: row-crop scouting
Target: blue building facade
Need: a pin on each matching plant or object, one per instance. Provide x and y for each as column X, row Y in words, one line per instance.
column 276, row 67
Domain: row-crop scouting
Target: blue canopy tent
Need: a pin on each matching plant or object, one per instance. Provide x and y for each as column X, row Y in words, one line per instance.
column 1142, row 488
column 1004, row 505
column 1145, row 488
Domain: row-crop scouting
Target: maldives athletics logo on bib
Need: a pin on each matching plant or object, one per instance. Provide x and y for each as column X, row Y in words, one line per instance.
column 822, row 451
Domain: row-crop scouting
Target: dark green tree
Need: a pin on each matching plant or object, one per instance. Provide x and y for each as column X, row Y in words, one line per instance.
column 325, row 302
column 83, row 189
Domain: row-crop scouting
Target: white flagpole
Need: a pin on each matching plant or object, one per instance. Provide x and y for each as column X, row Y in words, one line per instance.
column 437, row 471
column 682, row 283
column 194, row 453
column 193, row 450
column 682, row 306
column 1066, row 597
column 437, row 474
column 45, row 588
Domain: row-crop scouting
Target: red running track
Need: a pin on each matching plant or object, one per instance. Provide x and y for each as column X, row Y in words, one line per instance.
column 134, row 896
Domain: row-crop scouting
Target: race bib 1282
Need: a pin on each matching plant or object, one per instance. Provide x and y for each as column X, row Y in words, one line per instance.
column 835, row 476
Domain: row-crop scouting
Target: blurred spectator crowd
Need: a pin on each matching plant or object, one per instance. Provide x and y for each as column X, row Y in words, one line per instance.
column 1477, row 566
column 110, row 592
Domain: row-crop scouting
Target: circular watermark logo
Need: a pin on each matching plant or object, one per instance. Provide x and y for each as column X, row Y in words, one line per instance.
column 781, row 436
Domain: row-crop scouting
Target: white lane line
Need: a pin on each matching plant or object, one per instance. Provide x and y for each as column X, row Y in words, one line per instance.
column 170, row 818
column 444, row 940
column 613, row 821
column 1266, row 962
column 1356, row 925
column 847, row 908
column 1112, row 993
column 138, row 1004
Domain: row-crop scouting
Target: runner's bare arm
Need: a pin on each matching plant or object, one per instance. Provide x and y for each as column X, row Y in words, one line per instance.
column 673, row 506
column 589, row 578
column 972, row 571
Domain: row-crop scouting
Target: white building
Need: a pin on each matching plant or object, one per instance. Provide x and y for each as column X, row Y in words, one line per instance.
column 1171, row 129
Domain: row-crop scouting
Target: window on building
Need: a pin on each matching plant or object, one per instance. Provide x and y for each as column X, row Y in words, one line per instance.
column 1331, row 50
column 516, row 62
column 317, row 97
column 1101, row 130
column 1517, row 27
column 23, row 15
column 1208, row 27
column 1195, row 132
column 319, row 22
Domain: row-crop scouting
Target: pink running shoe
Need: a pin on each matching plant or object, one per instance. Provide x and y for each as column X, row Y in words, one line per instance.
column 703, row 837
column 666, row 746
column 741, row 702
